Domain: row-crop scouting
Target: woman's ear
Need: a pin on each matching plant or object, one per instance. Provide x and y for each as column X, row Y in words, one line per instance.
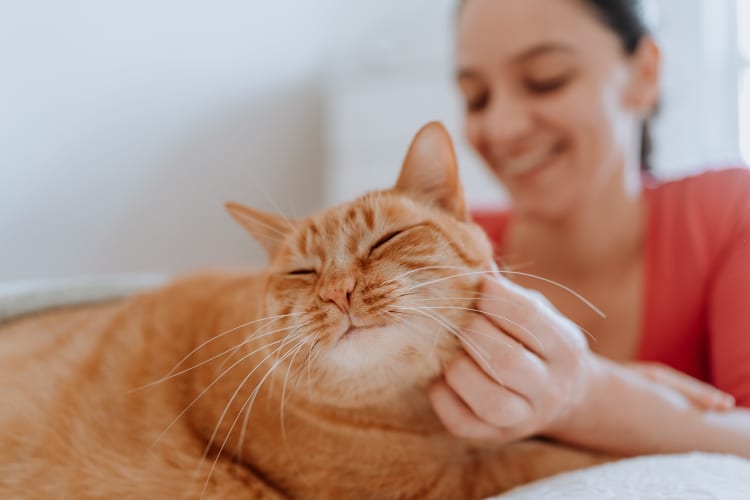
column 645, row 70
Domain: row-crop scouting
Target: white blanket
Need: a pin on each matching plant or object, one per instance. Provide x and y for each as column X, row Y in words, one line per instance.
column 692, row 476
column 25, row 297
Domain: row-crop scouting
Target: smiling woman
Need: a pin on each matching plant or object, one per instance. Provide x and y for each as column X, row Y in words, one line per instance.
column 583, row 88
column 557, row 95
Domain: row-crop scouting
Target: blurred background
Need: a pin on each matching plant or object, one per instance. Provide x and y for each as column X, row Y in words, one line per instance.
column 124, row 126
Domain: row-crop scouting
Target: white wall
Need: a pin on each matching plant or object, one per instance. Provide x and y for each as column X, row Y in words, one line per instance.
column 124, row 125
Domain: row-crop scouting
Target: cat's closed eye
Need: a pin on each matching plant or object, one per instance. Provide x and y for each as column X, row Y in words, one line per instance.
column 302, row 272
column 385, row 239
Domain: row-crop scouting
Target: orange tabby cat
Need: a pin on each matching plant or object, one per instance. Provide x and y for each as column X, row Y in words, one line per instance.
column 306, row 380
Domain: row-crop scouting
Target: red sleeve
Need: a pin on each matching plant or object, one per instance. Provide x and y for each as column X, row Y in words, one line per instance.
column 729, row 300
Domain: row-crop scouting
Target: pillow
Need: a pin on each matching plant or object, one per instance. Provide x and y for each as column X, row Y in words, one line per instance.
column 26, row 297
column 690, row 476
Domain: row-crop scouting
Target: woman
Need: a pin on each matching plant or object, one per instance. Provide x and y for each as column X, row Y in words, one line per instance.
column 557, row 97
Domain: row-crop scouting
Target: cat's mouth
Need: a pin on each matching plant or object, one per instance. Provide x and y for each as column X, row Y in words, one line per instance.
column 353, row 331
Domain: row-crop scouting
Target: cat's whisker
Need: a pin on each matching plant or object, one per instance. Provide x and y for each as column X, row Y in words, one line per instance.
column 273, row 318
column 412, row 328
column 446, row 278
column 421, row 311
column 294, row 335
column 493, row 298
column 253, row 337
column 216, row 356
column 278, row 353
column 528, row 275
column 278, row 233
column 557, row 284
column 281, row 413
column 195, row 400
column 234, row 395
column 277, row 208
column 314, row 344
column 305, row 365
column 423, row 268
column 480, row 353
column 251, row 400
column 283, row 389
column 492, row 315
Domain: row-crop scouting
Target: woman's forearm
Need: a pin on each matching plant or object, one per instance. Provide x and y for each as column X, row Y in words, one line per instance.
column 626, row 414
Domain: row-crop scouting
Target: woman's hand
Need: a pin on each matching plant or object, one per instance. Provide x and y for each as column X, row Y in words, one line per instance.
column 527, row 370
column 702, row 395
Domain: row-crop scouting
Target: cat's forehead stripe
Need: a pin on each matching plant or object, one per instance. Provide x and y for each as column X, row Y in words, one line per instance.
column 345, row 229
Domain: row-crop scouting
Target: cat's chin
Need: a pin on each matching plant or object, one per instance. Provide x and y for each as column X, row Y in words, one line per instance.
column 373, row 358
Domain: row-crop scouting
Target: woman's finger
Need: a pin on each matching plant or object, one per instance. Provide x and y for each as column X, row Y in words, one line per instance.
column 525, row 315
column 491, row 401
column 701, row 394
column 502, row 358
column 458, row 418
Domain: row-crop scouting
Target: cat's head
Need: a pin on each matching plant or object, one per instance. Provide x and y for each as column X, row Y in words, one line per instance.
column 374, row 291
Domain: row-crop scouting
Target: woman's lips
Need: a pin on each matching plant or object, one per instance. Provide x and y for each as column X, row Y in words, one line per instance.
column 529, row 163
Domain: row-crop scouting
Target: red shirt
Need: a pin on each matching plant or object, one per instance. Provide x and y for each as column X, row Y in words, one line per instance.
column 697, row 276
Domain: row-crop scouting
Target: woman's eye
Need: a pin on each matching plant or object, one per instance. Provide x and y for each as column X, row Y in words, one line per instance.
column 301, row 272
column 547, row 85
column 477, row 103
column 385, row 239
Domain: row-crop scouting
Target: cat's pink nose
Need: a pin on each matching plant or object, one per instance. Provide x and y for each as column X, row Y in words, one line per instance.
column 338, row 291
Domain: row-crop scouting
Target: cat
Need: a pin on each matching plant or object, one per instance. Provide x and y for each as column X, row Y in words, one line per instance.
column 307, row 379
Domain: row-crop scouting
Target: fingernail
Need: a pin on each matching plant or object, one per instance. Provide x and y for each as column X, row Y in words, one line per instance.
column 728, row 401
column 724, row 401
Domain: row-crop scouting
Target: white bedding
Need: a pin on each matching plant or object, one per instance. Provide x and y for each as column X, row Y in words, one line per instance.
column 25, row 297
column 693, row 476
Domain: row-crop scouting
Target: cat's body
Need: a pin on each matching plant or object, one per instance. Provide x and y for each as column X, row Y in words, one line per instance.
column 256, row 386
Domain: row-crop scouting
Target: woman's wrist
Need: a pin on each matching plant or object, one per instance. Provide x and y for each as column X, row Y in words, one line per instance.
column 583, row 414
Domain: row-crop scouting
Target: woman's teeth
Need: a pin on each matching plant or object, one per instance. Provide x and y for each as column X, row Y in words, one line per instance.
column 525, row 163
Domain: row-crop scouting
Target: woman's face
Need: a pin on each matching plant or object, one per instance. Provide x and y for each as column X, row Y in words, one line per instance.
column 553, row 103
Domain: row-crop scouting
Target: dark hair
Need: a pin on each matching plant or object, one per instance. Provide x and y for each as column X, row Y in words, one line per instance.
column 625, row 19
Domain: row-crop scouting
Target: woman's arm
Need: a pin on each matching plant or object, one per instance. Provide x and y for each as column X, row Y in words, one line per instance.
column 626, row 414
column 528, row 371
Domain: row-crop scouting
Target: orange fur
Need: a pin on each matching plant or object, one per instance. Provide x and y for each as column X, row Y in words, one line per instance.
column 187, row 392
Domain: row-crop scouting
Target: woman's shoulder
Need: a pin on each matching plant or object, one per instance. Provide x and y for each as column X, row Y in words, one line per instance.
column 702, row 214
column 722, row 184
column 715, row 196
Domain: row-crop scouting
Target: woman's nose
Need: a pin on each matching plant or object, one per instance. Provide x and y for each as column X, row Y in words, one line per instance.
column 506, row 119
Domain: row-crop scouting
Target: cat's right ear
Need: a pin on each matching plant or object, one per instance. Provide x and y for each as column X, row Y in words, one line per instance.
column 430, row 171
column 268, row 229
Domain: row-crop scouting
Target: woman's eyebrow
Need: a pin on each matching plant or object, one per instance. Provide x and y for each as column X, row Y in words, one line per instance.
column 526, row 55
column 466, row 74
column 541, row 49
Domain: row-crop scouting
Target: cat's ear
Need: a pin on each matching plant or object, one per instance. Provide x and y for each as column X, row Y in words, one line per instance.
column 267, row 228
column 430, row 171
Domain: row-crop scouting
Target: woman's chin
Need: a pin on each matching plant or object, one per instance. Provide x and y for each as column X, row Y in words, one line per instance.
column 543, row 202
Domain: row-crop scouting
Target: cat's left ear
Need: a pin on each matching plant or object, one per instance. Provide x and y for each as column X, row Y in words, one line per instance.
column 267, row 228
column 430, row 171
